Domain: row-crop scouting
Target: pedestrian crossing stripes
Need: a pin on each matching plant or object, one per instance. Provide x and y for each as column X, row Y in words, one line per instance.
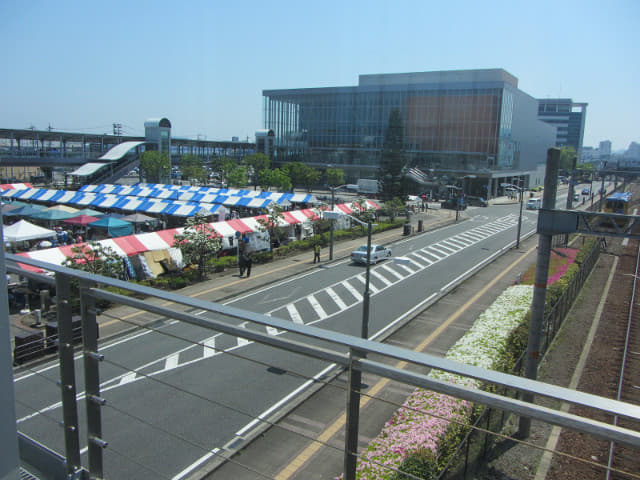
column 336, row 298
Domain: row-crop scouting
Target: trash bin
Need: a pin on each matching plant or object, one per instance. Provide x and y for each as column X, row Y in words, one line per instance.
column 37, row 318
column 407, row 229
column 420, row 226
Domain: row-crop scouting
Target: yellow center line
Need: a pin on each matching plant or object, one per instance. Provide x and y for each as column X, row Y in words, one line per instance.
column 339, row 423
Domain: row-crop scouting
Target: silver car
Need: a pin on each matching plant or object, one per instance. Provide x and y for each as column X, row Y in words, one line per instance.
column 378, row 252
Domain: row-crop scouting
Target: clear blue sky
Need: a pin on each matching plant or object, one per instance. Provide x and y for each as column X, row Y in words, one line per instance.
column 83, row 65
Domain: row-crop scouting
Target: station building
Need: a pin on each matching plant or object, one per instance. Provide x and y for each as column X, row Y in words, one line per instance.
column 473, row 124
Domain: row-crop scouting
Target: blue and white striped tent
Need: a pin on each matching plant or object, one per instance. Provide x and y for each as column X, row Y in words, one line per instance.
column 126, row 203
column 226, row 196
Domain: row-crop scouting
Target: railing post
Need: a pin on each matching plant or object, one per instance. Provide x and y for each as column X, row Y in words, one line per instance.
column 353, row 418
column 92, row 381
column 67, row 373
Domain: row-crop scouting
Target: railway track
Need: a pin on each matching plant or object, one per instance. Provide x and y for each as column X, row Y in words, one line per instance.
column 621, row 458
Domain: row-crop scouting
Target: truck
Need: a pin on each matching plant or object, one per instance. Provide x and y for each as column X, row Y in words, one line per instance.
column 368, row 187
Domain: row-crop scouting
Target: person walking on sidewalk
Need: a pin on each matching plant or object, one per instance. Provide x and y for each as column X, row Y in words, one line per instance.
column 246, row 257
column 316, row 253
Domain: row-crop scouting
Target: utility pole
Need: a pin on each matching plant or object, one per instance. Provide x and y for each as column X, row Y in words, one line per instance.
column 540, row 285
column 117, row 130
column 570, row 193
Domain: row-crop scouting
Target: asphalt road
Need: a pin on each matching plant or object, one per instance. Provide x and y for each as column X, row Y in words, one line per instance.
column 170, row 400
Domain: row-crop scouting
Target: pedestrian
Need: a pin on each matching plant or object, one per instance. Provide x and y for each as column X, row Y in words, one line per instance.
column 247, row 262
column 316, row 253
column 241, row 263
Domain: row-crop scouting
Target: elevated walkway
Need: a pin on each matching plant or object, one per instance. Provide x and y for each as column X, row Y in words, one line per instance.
column 111, row 166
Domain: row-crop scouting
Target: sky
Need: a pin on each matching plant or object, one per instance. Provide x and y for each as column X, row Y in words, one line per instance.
column 82, row 66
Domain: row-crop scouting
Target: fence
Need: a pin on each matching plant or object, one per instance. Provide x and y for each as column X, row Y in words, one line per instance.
column 345, row 352
column 477, row 443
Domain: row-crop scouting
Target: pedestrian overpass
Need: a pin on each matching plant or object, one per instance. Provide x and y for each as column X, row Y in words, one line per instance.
column 116, row 163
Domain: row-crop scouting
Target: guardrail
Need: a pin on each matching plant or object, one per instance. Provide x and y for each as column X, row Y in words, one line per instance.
column 343, row 351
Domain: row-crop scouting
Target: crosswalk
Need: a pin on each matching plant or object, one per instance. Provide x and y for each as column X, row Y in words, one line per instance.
column 327, row 301
column 335, row 299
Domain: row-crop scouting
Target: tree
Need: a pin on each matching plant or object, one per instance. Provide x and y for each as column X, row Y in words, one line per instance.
column 280, row 180
column 223, row 166
column 274, row 178
column 156, row 166
column 301, row 174
column 567, row 156
column 95, row 258
column 393, row 159
column 393, row 207
column 237, row 177
column 258, row 163
column 198, row 243
column 270, row 223
column 192, row 166
column 311, row 178
column 335, row 177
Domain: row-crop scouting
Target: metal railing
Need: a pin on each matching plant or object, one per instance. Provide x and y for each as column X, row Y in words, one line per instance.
column 346, row 353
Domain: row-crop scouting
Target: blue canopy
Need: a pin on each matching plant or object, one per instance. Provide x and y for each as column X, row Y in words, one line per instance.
column 115, row 227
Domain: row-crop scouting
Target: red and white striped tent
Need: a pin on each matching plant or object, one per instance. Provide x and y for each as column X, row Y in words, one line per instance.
column 163, row 239
column 14, row 186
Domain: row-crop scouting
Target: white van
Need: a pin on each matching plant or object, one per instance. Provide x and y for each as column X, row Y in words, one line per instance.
column 534, row 204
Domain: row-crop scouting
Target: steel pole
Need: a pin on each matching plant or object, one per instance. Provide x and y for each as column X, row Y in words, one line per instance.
column 94, row 402
column 540, row 285
column 519, row 222
column 353, row 418
column 367, row 295
column 331, row 227
column 67, row 373
column 9, row 458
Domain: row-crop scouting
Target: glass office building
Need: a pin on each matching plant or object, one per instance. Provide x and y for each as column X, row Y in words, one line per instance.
column 469, row 122
column 568, row 117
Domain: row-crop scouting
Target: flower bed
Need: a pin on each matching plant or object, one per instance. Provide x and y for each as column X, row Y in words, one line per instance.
column 424, row 432
column 561, row 259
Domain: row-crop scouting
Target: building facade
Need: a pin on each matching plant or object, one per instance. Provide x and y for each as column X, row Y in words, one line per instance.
column 465, row 124
column 568, row 117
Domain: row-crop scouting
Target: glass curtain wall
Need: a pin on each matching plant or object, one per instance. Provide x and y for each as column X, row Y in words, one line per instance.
column 453, row 129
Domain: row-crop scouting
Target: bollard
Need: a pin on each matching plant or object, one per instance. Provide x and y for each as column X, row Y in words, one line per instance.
column 37, row 316
column 45, row 300
column 420, row 225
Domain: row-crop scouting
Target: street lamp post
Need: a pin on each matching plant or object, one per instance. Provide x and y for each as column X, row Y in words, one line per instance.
column 355, row 374
column 520, row 192
column 367, row 294
column 333, row 204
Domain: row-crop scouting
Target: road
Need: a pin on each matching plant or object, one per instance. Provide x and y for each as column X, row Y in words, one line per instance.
column 176, row 395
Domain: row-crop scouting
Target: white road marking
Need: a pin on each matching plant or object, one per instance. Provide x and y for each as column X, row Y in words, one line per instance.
column 210, row 347
column 393, row 272
column 317, row 307
column 293, row 313
column 383, row 279
column 336, row 298
column 172, row 362
column 352, row 291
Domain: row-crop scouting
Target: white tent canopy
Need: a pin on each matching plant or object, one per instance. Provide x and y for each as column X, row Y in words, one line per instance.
column 22, row 231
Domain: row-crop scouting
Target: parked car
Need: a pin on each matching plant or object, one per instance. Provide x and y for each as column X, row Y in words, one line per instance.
column 586, row 191
column 378, row 252
column 576, row 197
column 534, row 204
column 476, row 201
